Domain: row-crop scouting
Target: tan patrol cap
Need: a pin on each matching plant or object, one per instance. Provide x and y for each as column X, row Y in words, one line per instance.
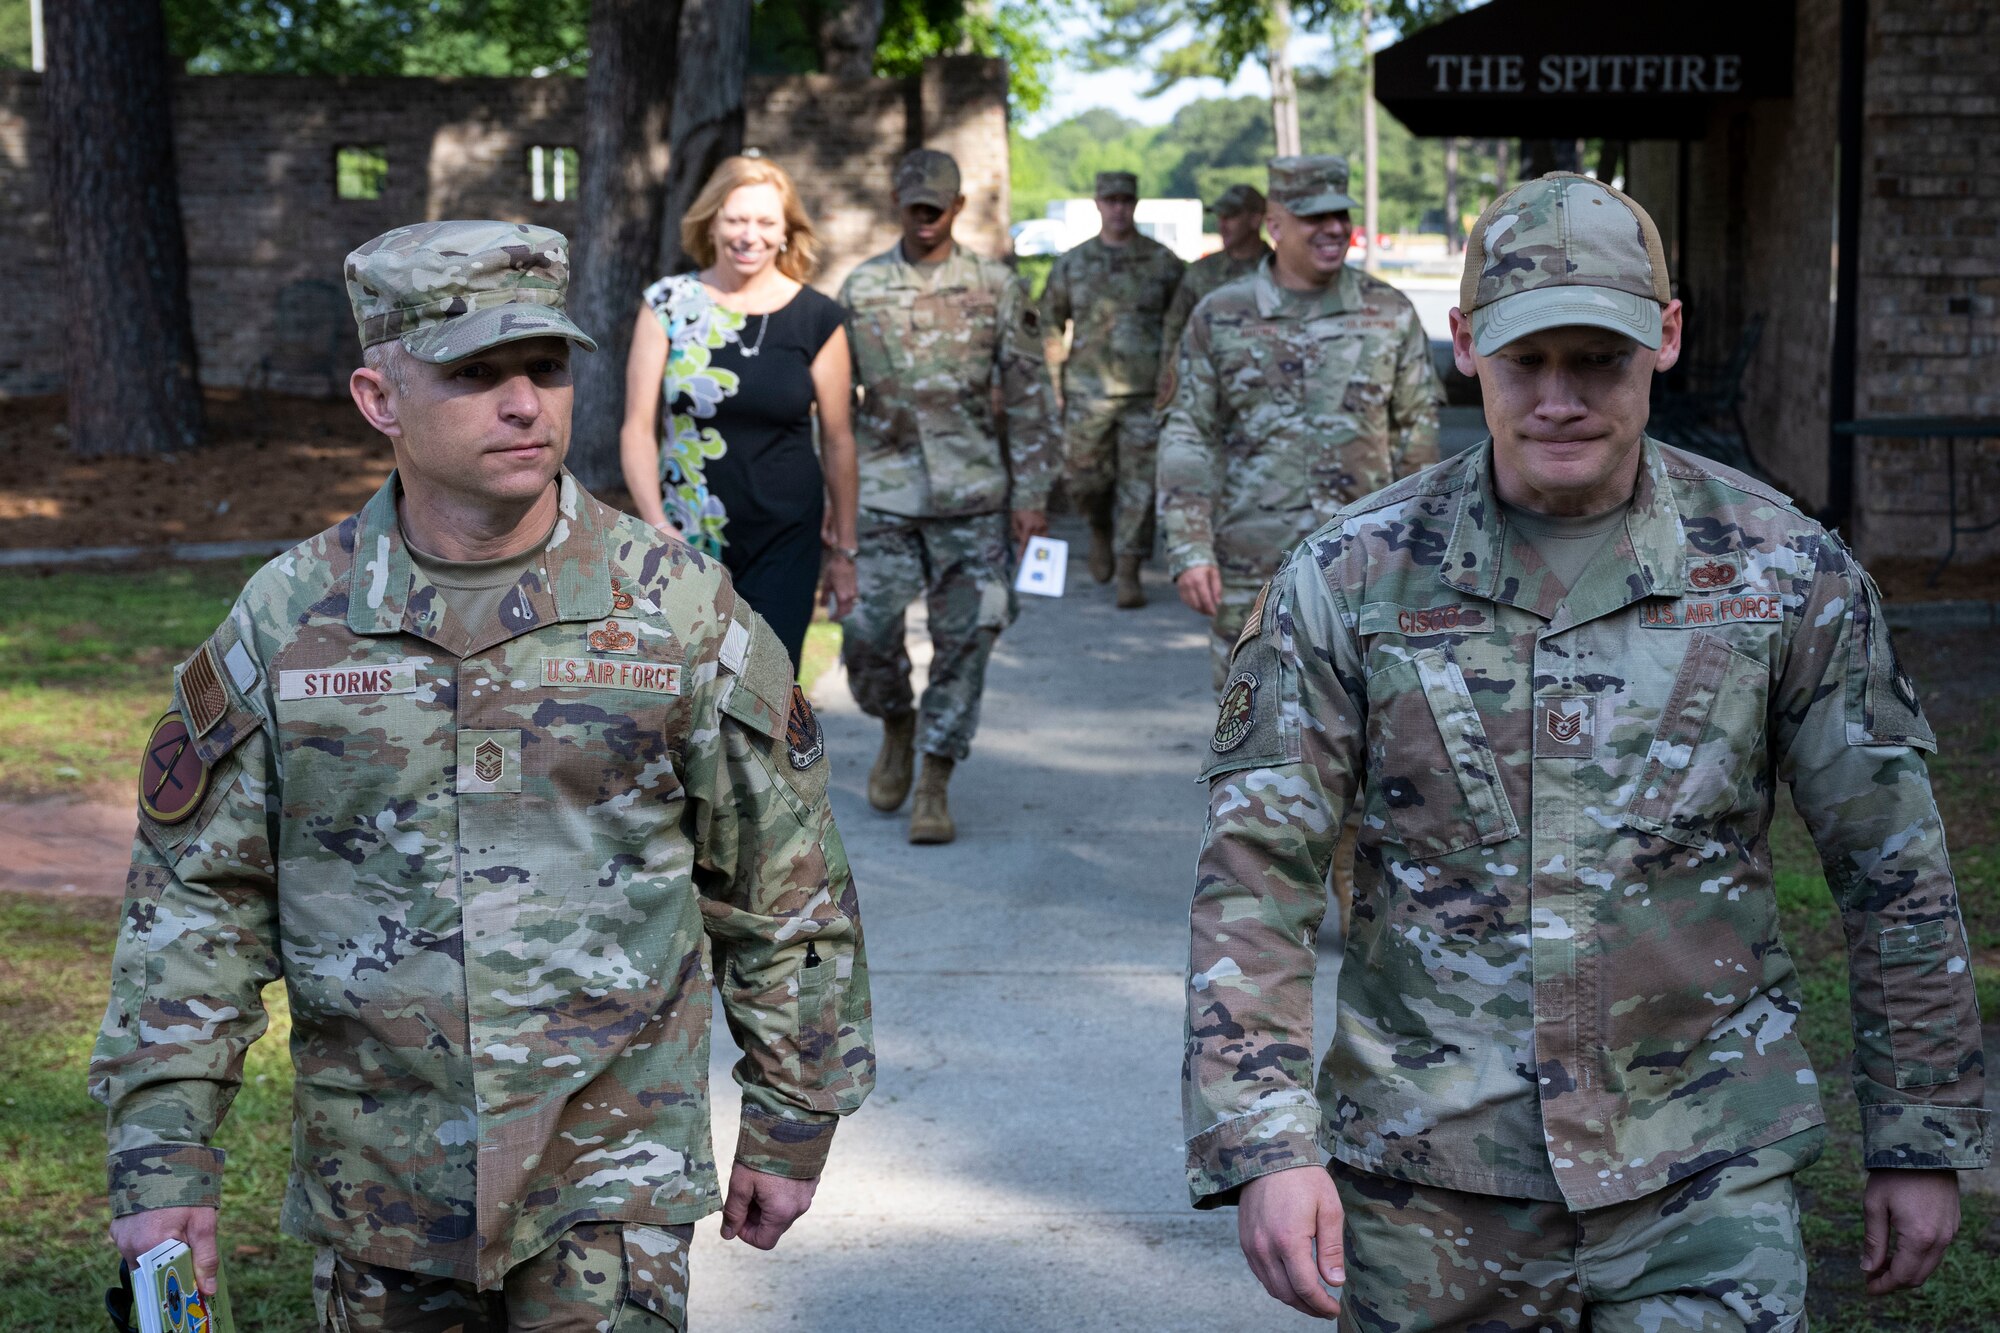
column 1309, row 185
column 450, row 289
column 1238, row 199
column 1561, row 250
column 927, row 176
column 1112, row 184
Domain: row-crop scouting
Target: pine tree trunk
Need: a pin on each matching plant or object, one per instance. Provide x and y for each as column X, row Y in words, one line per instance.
column 129, row 350
column 628, row 100
column 848, row 32
column 707, row 118
column 1284, row 86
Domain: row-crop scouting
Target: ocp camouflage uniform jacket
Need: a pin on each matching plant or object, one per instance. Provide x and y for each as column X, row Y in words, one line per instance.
column 930, row 340
column 1117, row 297
column 1203, row 276
column 503, row 869
column 1285, row 407
column 1564, row 920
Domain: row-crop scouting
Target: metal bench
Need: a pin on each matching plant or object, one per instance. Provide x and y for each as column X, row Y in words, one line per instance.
column 1706, row 416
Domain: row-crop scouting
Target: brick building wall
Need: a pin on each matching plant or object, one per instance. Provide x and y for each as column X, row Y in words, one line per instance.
column 1930, row 268
column 1762, row 204
column 256, row 160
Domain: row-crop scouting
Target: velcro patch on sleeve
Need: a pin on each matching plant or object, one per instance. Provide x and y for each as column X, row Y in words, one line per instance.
column 203, row 694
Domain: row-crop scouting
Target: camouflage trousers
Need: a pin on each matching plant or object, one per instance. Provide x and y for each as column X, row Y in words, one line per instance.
column 599, row 1277
column 961, row 568
column 1111, row 447
column 1720, row 1250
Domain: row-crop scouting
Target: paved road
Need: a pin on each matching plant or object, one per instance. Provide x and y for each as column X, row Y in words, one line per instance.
column 1019, row 1165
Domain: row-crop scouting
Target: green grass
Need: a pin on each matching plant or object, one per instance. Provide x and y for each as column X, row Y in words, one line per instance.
column 86, row 664
column 1964, row 1296
column 55, row 963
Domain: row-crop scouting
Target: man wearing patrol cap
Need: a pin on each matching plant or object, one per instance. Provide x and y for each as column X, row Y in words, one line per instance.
column 495, row 779
column 1114, row 290
column 1239, row 220
column 1292, row 393
column 1568, row 669
column 934, row 327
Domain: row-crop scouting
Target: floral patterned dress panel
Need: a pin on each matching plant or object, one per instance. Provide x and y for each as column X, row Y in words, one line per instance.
column 691, row 389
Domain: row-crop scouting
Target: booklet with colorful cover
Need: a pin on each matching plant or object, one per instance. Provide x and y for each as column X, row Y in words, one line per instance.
column 166, row 1299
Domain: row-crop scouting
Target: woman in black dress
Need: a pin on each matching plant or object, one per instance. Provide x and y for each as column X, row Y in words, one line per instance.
column 727, row 369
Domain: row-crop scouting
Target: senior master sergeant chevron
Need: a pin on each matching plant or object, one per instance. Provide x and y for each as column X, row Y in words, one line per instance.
column 1569, row 669
column 1294, row 391
column 509, row 789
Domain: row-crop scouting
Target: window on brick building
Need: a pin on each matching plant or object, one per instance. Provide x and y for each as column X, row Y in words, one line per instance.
column 552, row 174
column 359, row 171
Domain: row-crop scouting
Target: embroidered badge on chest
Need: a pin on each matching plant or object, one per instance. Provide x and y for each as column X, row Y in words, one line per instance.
column 620, row 599
column 804, row 741
column 172, row 778
column 1566, row 728
column 1712, row 574
column 489, row 761
column 612, row 637
column 1232, row 722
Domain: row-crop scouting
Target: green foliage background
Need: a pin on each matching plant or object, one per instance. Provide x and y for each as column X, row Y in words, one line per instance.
column 1214, row 143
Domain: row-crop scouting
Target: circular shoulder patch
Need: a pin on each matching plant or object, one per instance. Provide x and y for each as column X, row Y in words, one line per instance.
column 804, row 741
column 1232, row 723
column 172, row 778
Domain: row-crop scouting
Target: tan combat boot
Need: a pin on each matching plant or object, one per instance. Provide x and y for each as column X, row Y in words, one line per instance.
column 889, row 780
column 1100, row 547
column 1130, row 593
column 930, row 820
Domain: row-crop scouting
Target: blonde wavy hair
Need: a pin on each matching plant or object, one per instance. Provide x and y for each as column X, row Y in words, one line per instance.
column 801, row 254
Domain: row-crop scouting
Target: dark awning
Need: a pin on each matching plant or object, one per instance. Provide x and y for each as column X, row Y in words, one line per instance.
column 1631, row 69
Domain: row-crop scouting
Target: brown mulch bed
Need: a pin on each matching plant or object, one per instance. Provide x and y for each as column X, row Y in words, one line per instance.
column 272, row 469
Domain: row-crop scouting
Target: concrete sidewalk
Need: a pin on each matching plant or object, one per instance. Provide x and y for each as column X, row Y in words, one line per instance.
column 1019, row 1164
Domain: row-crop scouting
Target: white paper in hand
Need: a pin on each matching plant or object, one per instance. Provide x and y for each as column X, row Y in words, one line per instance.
column 1044, row 565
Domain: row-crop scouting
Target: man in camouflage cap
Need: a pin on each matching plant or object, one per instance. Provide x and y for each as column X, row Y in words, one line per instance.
column 1568, row 670
column 496, row 779
column 1239, row 220
column 1293, row 392
column 1114, row 290
column 933, row 327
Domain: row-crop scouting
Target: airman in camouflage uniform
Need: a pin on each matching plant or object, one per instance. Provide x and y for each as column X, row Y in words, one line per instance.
column 1566, row 1087
column 505, row 852
column 934, row 327
column 1114, row 289
column 1239, row 216
column 1288, row 403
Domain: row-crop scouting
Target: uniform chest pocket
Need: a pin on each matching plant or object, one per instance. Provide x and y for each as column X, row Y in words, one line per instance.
column 1439, row 787
column 1707, row 758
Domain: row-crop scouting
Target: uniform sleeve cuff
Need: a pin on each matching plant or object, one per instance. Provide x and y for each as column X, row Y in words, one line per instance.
column 796, row 1149
column 165, row 1175
column 1222, row 1160
column 1025, row 498
column 1919, row 1137
column 1180, row 562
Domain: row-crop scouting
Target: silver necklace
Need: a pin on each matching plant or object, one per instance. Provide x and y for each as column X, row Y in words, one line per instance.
column 758, row 346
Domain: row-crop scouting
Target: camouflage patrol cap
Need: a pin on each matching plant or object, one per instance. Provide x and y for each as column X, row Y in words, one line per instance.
column 1310, row 185
column 1238, row 199
column 927, row 176
column 1112, row 184
column 1561, row 250
column 450, row 289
